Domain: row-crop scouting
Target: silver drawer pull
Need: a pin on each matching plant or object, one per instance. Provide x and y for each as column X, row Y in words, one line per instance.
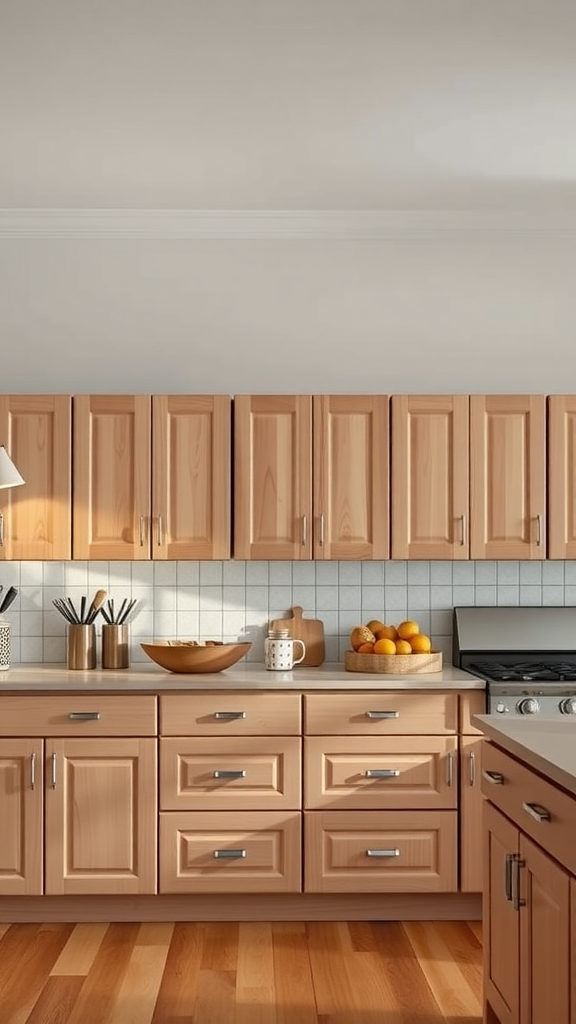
column 494, row 778
column 508, row 877
column 229, row 716
column 84, row 716
column 382, row 773
column 471, row 768
column 537, row 812
column 53, row 760
column 382, row 714
column 221, row 774
column 229, row 854
column 449, row 768
column 383, row 853
column 32, row 770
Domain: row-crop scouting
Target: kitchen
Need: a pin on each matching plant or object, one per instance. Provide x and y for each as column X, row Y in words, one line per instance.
column 277, row 258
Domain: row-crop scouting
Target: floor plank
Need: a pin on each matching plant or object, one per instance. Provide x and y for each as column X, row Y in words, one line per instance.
column 80, row 951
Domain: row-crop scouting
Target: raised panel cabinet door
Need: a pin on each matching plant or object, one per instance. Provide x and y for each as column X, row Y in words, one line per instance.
column 36, row 431
column 471, row 802
column 191, row 472
column 507, row 476
column 430, row 476
column 21, row 817
column 544, row 938
column 562, row 476
column 273, row 477
column 500, row 917
column 101, row 816
column 351, row 477
column 112, row 477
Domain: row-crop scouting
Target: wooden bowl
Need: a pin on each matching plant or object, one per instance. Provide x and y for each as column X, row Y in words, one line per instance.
column 183, row 657
column 393, row 664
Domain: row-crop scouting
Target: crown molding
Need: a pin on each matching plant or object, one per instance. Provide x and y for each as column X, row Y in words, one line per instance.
column 387, row 225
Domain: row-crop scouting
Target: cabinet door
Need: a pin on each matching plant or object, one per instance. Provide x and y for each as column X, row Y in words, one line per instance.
column 36, row 431
column 191, row 476
column 101, row 816
column 21, row 830
column 507, row 476
column 573, row 948
column 500, row 914
column 273, row 477
column 351, row 477
column 471, row 801
column 430, row 484
column 111, row 477
column 562, row 476
column 544, row 938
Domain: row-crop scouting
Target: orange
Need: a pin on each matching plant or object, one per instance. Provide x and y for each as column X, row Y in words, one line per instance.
column 387, row 633
column 420, row 643
column 375, row 625
column 403, row 647
column 366, row 649
column 407, row 629
column 384, row 646
column 361, row 635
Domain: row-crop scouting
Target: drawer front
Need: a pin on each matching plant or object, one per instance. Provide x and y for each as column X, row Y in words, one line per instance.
column 371, row 851
column 209, row 773
column 380, row 713
column 258, row 851
column 230, row 714
column 523, row 796
column 471, row 703
column 81, row 714
column 401, row 772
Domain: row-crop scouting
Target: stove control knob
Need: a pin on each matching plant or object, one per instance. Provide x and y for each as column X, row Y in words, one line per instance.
column 528, row 706
column 568, row 706
column 501, row 708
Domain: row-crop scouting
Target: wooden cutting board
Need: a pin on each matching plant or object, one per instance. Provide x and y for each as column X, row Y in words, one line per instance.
column 311, row 631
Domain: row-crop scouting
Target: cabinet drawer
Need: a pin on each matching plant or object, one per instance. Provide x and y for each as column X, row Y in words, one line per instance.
column 258, row 851
column 380, row 713
column 472, row 703
column 380, row 851
column 517, row 791
column 209, row 773
column 399, row 772
column 230, row 714
column 82, row 714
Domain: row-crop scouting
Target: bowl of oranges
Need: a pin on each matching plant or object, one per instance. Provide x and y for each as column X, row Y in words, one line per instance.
column 393, row 650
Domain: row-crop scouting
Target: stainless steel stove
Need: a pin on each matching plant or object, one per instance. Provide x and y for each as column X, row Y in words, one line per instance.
column 527, row 656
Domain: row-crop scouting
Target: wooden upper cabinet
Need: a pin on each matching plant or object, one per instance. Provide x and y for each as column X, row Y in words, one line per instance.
column 562, row 476
column 351, row 474
column 430, row 486
column 36, row 431
column 273, row 477
column 507, row 476
column 151, row 477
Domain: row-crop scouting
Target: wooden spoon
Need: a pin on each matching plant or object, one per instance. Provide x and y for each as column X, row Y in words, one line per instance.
column 97, row 602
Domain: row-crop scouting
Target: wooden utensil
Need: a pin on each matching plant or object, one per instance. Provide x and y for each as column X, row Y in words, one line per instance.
column 97, row 602
column 311, row 631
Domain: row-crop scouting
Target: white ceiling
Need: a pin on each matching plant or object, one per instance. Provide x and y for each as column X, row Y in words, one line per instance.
column 288, row 104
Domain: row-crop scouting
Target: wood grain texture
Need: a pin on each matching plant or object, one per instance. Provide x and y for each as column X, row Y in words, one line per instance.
column 253, row 972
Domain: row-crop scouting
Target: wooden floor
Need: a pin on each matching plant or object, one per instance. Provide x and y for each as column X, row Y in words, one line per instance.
column 241, row 973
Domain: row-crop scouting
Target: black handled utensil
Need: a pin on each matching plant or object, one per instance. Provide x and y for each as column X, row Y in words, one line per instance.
column 124, row 614
column 97, row 602
column 9, row 598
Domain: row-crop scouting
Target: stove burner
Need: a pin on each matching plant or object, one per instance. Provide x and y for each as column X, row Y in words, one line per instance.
column 526, row 672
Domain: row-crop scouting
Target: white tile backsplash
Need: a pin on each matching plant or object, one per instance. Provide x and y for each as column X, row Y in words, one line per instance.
column 236, row 599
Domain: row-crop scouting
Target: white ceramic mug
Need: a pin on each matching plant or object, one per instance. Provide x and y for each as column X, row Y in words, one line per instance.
column 279, row 653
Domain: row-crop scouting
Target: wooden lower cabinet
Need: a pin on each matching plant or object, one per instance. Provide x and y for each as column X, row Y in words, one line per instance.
column 381, row 851
column 21, row 817
column 235, row 852
column 471, row 801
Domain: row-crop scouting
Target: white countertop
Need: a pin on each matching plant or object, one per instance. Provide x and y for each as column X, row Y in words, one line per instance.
column 248, row 676
column 546, row 744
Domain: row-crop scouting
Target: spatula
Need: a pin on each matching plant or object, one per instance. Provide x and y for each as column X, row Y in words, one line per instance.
column 97, row 602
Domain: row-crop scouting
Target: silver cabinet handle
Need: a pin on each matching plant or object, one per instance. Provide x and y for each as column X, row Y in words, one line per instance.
column 160, row 531
column 1, row 530
column 382, row 714
column 538, row 530
column 304, row 530
column 321, row 529
column 32, row 770
column 508, row 877
column 536, row 811
column 494, row 778
column 141, row 531
column 223, row 774
column 471, row 768
column 382, row 773
column 84, row 716
column 449, row 768
column 53, row 759
column 383, row 853
column 229, row 716
column 229, row 854
column 463, row 530
column 517, row 863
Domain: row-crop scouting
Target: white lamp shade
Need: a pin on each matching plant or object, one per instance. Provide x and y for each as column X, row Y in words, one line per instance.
column 9, row 475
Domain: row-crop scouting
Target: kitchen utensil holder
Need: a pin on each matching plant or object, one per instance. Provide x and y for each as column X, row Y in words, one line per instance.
column 115, row 646
column 81, row 646
column 5, row 644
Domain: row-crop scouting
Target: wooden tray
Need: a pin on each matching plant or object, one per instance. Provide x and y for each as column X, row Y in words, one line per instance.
column 393, row 664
